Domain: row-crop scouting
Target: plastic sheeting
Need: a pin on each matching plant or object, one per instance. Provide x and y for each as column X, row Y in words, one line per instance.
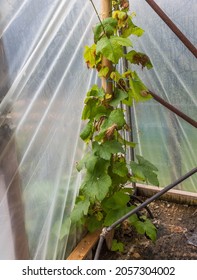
column 43, row 81
column 43, row 84
column 164, row 138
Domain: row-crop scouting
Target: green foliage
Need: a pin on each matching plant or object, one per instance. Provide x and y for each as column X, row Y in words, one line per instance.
column 144, row 171
column 103, row 198
column 117, row 246
column 139, row 59
column 106, row 28
column 111, row 48
column 146, row 227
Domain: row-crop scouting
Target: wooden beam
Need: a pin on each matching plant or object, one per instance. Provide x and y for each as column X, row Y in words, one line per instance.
column 176, row 196
column 84, row 247
column 106, row 9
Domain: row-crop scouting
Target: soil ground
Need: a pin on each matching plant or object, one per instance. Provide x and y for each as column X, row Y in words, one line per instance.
column 176, row 236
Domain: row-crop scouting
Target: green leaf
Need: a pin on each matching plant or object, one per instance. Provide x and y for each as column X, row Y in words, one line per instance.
column 144, row 170
column 146, row 227
column 94, row 109
column 140, row 227
column 131, row 29
column 151, row 230
column 65, row 228
column 125, row 142
column 108, row 50
column 93, row 224
column 138, row 90
column 117, row 246
column 109, row 25
column 90, row 55
column 90, row 109
column 106, row 149
column 116, row 117
column 121, row 41
column 115, row 76
column 103, row 72
column 151, row 176
column 80, row 209
column 117, row 181
column 96, row 186
column 96, row 92
column 137, row 171
column 133, row 218
column 120, row 168
column 119, row 95
column 87, row 131
column 96, row 183
column 113, row 215
column 111, row 48
column 88, row 161
column 144, row 162
column 116, row 202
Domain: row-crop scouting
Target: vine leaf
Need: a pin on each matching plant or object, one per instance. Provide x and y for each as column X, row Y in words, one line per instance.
column 138, row 90
column 80, row 209
column 109, row 25
column 115, row 214
column 96, row 183
column 87, row 132
column 119, row 95
column 117, row 246
column 139, row 59
column 94, row 109
column 144, row 170
column 106, row 149
column 103, row 72
column 131, row 29
column 88, row 161
column 93, row 224
column 117, row 201
column 120, row 168
column 146, row 227
column 90, row 55
column 116, row 117
column 111, row 48
column 125, row 142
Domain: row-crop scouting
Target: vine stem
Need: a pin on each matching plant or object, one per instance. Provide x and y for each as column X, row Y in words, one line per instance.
column 98, row 16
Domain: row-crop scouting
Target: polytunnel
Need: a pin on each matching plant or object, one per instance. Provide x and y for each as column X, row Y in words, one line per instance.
column 43, row 82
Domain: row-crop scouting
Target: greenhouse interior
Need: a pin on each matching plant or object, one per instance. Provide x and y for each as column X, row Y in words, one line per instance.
column 98, row 114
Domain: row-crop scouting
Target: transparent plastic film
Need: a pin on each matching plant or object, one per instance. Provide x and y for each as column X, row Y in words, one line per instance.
column 42, row 98
column 164, row 138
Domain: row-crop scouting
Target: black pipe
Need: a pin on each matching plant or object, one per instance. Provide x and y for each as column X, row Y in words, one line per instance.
column 173, row 27
column 134, row 211
column 134, row 197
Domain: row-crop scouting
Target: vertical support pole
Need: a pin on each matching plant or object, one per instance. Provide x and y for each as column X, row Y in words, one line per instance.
column 106, row 9
column 9, row 168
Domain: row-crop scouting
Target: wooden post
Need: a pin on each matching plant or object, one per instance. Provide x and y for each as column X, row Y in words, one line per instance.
column 9, row 168
column 106, row 9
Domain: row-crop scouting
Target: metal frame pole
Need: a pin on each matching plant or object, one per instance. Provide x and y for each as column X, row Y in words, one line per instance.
column 173, row 27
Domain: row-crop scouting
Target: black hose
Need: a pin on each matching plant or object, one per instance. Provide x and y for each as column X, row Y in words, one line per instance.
column 134, row 197
column 134, row 211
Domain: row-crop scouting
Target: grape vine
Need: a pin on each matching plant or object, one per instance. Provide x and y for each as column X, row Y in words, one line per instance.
column 103, row 196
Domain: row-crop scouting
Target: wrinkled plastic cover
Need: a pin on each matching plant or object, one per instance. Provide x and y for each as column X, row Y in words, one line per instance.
column 43, row 84
column 164, row 138
column 43, row 81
